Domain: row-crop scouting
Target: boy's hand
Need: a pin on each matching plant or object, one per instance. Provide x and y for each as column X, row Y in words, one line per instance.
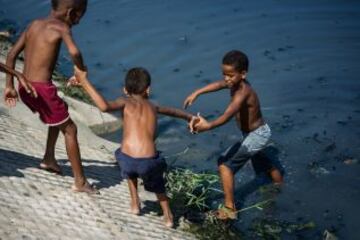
column 73, row 82
column 28, row 87
column 201, row 125
column 79, row 76
column 194, row 120
column 10, row 96
column 189, row 100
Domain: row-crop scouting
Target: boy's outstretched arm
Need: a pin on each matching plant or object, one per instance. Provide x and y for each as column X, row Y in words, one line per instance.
column 212, row 87
column 178, row 113
column 21, row 78
column 231, row 110
column 74, row 51
column 100, row 102
column 174, row 112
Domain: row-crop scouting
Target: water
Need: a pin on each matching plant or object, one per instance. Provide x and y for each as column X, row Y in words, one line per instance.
column 304, row 59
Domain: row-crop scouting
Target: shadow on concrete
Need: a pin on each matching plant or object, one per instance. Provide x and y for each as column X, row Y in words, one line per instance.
column 106, row 174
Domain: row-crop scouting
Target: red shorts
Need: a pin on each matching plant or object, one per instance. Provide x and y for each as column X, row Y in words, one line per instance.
column 52, row 109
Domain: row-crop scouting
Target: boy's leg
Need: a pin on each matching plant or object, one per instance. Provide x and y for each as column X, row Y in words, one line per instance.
column 49, row 162
column 72, row 148
column 227, row 179
column 135, row 201
column 164, row 203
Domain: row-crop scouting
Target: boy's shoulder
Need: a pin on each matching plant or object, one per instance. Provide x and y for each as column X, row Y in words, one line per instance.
column 244, row 90
column 48, row 24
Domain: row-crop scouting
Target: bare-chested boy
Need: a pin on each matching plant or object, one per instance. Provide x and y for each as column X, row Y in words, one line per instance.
column 21, row 78
column 138, row 156
column 245, row 106
column 41, row 44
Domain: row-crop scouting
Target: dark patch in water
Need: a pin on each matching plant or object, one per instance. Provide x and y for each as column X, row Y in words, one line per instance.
column 342, row 123
column 206, row 81
column 330, row 147
column 98, row 65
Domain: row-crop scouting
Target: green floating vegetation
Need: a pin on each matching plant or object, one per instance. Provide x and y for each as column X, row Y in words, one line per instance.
column 74, row 92
column 272, row 228
column 212, row 228
column 190, row 194
column 191, row 189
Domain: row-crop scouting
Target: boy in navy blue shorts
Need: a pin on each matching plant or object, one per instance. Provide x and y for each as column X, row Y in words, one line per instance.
column 138, row 157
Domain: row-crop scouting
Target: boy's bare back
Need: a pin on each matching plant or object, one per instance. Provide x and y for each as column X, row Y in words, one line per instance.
column 139, row 114
column 42, row 39
column 42, row 44
column 139, row 124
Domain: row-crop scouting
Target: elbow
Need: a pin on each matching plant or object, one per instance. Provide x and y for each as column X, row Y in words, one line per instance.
column 75, row 54
column 10, row 60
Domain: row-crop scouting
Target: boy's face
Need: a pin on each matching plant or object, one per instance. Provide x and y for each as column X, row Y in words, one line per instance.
column 232, row 76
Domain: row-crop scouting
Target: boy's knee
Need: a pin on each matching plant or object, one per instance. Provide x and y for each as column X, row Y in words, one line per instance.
column 223, row 168
column 70, row 128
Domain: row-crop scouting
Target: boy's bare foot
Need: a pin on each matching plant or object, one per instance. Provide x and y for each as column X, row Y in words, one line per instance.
column 135, row 208
column 50, row 167
column 169, row 222
column 164, row 203
column 276, row 176
column 226, row 213
column 86, row 188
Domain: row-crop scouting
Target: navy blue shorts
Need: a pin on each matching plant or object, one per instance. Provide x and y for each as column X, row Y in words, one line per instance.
column 150, row 170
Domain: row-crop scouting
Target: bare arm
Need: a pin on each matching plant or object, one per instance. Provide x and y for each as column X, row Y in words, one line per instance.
column 21, row 78
column 10, row 71
column 174, row 112
column 11, row 58
column 100, row 102
column 212, row 87
column 231, row 110
column 74, row 51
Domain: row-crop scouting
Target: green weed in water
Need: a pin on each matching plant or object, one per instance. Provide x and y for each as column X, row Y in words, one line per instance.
column 273, row 228
column 192, row 189
column 190, row 194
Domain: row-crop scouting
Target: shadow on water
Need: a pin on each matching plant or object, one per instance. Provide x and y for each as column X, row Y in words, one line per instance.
column 104, row 173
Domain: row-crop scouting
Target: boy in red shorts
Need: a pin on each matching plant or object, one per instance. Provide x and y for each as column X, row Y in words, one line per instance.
column 41, row 44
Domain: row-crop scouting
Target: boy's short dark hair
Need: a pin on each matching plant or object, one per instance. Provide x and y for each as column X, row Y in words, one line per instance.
column 55, row 4
column 137, row 80
column 237, row 59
